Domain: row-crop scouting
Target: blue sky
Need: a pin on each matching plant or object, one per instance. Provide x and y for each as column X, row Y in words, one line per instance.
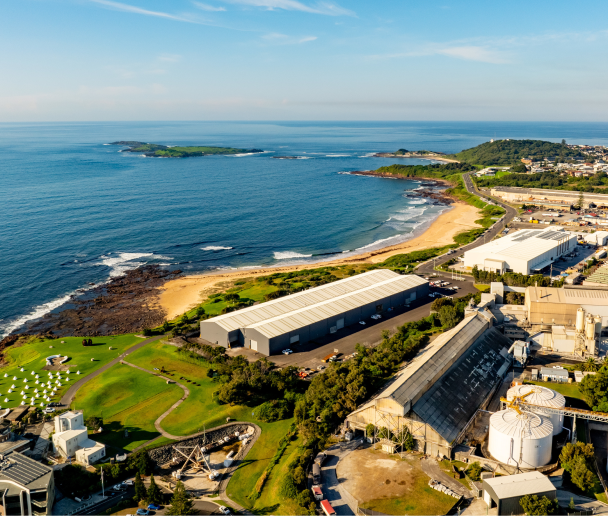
column 66, row 60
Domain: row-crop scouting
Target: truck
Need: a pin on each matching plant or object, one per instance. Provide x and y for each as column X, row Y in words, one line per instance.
column 329, row 357
column 320, row 458
column 317, row 492
column 316, row 473
column 327, row 508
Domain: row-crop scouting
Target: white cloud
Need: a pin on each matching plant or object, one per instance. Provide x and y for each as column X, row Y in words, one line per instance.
column 473, row 53
column 283, row 39
column 326, row 8
column 170, row 58
column 207, row 7
column 118, row 6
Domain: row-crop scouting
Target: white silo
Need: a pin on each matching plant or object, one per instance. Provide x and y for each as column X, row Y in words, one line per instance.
column 544, row 397
column 598, row 324
column 520, row 439
column 580, row 320
column 590, row 328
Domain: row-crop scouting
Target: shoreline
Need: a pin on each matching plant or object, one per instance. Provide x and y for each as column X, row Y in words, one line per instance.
column 181, row 294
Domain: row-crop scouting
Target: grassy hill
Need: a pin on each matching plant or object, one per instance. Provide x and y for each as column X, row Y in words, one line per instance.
column 163, row 151
column 510, row 152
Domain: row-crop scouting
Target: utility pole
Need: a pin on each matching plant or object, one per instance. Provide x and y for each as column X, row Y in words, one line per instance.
column 103, row 495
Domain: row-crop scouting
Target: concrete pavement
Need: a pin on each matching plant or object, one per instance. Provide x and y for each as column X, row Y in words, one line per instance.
column 339, row 498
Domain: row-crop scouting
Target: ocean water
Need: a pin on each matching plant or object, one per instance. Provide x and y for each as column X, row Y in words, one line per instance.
column 76, row 211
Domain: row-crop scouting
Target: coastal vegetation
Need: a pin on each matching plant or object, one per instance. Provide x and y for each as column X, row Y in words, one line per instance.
column 594, row 184
column 511, row 152
column 165, row 151
column 514, row 279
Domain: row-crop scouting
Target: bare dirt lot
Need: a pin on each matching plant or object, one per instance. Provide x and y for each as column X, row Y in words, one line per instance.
column 389, row 484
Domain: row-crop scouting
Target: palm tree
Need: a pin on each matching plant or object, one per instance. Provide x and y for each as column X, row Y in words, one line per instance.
column 590, row 365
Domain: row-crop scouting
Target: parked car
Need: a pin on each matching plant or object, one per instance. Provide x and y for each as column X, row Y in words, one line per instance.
column 142, row 512
column 376, row 316
column 320, row 368
column 154, row 507
column 362, row 323
column 224, row 510
column 128, row 483
column 49, row 410
column 287, row 352
column 118, row 487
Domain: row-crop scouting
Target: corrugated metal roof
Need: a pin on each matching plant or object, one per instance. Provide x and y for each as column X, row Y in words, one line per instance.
column 524, row 425
column 512, row 486
column 427, row 365
column 553, row 372
column 24, row 471
column 452, row 400
column 339, row 304
column 270, row 309
column 574, row 296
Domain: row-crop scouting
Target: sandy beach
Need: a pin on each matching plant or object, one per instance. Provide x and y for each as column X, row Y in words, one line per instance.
column 179, row 295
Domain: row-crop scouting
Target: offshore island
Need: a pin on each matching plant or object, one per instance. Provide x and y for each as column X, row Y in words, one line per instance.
column 154, row 150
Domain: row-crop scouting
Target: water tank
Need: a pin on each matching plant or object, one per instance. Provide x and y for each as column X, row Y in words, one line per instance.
column 545, row 398
column 580, row 320
column 522, row 440
column 590, row 328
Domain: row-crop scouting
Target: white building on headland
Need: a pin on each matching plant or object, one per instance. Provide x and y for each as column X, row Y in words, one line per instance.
column 71, row 438
column 527, row 251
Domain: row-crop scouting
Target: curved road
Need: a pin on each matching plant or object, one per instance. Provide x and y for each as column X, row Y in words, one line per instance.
column 429, row 267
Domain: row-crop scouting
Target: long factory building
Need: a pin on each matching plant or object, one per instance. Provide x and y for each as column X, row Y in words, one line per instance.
column 273, row 326
column 524, row 251
column 546, row 197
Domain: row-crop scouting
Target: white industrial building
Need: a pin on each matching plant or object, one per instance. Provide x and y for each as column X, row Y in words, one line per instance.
column 71, row 438
column 276, row 325
column 597, row 238
column 525, row 252
column 502, row 494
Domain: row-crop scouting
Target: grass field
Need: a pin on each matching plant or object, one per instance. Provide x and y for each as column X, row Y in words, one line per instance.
column 245, row 477
column 32, row 357
column 127, row 399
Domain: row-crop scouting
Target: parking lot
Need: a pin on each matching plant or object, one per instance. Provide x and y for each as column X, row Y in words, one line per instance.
column 310, row 355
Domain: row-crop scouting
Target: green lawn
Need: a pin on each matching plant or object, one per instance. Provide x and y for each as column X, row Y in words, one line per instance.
column 127, row 399
column 245, row 477
column 31, row 356
column 481, row 287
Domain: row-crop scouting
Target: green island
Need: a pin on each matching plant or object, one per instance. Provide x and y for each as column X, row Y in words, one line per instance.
column 165, row 151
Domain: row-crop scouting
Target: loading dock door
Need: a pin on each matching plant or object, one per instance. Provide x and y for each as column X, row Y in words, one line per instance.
column 294, row 339
column 340, row 324
column 253, row 344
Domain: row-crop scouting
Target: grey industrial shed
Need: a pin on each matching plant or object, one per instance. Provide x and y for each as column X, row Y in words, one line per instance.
column 275, row 325
column 505, row 492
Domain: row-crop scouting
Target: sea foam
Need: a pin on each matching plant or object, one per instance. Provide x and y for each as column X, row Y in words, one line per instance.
column 215, row 248
column 286, row 255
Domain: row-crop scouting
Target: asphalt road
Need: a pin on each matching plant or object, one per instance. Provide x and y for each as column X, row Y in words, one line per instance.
column 428, row 267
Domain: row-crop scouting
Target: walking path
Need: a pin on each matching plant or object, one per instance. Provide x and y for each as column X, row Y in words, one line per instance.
column 159, row 428
column 341, row 500
column 70, row 394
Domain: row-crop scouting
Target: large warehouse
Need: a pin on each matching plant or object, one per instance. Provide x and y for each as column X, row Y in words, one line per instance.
column 545, row 197
column 436, row 394
column 276, row 325
column 526, row 251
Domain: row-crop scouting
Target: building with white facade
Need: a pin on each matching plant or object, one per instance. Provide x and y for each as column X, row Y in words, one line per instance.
column 526, row 251
column 71, row 438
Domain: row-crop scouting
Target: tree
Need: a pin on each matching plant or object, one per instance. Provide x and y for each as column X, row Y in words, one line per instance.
column 474, row 471
column 563, row 142
column 154, row 493
column 448, row 316
column 577, row 460
column 140, row 462
column 572, row 505
column 94, row 423
column 590, row 365
column 533, row 505
column 140, row 489
column 231, row 298
column 181, row 504
column 581, row 199
column 369, row 430
column 594, row 389
column 166, row 327
column 581, row 475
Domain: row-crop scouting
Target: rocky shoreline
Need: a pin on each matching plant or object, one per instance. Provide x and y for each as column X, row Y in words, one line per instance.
column 126, row 304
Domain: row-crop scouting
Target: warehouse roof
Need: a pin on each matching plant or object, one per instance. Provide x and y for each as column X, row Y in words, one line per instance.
column 336, row 305
column 513, row 486
column 25, row 471
column 524, row 244
column 254, row 314
column 549, row 371
column 452, row 400
column 573, row 296
column 542, row 192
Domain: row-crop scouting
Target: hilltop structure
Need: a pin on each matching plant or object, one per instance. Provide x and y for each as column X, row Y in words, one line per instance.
column 71, row 438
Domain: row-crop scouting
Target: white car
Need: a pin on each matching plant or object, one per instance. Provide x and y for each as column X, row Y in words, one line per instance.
column 49, row 410
column 376, row 316
column 362, row 323
column 287, row 352
column 224, row 510
column 320, row 368
column 118, row 487
column 127, row 483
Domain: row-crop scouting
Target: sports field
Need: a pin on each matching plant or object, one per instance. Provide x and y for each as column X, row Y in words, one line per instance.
column 30, row 354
